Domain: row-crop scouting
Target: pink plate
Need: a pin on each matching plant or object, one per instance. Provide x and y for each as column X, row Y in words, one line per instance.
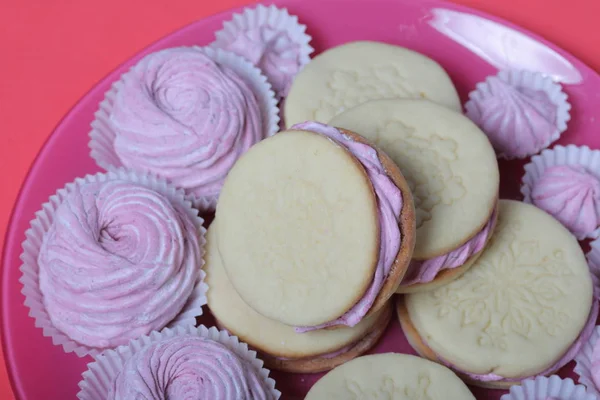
column 469, row 44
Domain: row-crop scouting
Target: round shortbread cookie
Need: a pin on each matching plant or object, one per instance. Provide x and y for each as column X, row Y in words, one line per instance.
column 517, row 311
column 448, row 162
column 268, row 336
column 390, row 376
column 297, row 212
column 348, row 75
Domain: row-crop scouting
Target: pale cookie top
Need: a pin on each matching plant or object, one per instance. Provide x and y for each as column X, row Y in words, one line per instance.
column 447, row 161
column 390, row 376
column 345, row 76
column 519, row 308
column 296, row 213
column 262, row 333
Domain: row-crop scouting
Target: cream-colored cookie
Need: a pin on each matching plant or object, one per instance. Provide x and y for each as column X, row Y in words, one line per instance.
column 448, row 162
column 283, row 231
column 348, row 75
column 299, row 231
column 390, row 376
column 516, row 311
column 268, row 336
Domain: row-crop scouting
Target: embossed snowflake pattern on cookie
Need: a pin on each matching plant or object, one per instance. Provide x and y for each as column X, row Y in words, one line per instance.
column 519, row 292
column 349, row 88
column 389, row 389
column 426, row 163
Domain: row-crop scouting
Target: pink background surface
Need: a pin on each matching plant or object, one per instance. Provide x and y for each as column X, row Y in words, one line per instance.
column 55, row 50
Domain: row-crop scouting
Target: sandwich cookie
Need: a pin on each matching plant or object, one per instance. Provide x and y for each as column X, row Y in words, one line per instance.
column 279, row 346
column 316, row 227
column 524, row 309
column 453, row 174
column 390, row 376
column 354, row 73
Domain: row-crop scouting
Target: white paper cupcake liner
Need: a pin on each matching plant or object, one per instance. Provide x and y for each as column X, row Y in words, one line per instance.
column 583, row 363
column 102, row 135
column 543, row 387
column 44, row 220
column 535, row 81
column 593, row 259
column 276, row 18
column 102, row 372
column 561, row 155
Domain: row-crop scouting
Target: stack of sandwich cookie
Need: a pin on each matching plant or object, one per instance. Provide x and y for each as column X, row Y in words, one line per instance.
column 453, row 174
column 337, row 227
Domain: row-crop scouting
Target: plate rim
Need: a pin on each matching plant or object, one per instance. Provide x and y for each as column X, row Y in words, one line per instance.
column 11, row 235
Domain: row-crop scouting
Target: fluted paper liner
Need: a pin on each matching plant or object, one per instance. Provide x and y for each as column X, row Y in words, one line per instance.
column 583, row 360
column 277, row 18
column 534, row 81
column 102, row 135
column 560, row 155
column 583, row 363
column 44, row 220
column 543, row 387
column 102, row 372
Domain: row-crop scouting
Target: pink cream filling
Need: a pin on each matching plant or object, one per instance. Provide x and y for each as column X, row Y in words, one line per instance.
column 426, row 271
column 584, row 336
column 389, row 202
column 340, row 351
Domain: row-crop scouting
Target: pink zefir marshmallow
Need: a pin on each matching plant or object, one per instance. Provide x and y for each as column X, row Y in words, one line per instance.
column 119, row 261
column 389, row 203
column 271, row 39
column 570, row 194
column 183, row 116
column 426, row 271
column 188, row 367
column 567, row 357
column 521, row 112
column 272, row 51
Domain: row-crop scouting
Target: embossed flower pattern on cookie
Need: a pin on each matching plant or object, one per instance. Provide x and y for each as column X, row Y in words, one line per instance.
column 388, row 389
column 516, row 293
column 349, row 88
column 426, row 165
